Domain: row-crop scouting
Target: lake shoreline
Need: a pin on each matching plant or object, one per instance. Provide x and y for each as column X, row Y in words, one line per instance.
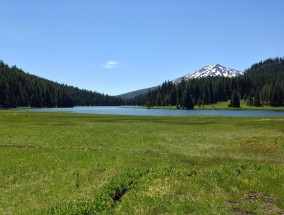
column 143, row 111
column 224, row 106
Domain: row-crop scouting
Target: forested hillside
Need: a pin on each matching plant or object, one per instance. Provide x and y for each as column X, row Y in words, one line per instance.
column 19, row 89
column 262, row 84
column 136, row 93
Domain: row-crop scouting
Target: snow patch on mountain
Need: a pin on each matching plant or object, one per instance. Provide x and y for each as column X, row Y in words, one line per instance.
column 211, row 71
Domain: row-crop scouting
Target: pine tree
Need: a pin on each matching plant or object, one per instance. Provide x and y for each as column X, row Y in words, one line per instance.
column 187, row 99
column 256, row 101
column 4, row 93
column 235, row 101
column 249, row 100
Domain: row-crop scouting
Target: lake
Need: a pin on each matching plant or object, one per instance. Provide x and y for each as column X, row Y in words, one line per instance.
column 141, row 111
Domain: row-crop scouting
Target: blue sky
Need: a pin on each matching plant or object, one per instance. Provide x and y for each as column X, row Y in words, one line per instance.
column 116, row 46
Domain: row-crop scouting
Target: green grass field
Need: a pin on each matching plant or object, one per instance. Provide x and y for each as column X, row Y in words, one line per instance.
column 243, row 105
column 57, row 163
column 224, row 106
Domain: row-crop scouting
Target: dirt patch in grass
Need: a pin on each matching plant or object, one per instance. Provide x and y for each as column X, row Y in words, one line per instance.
column 258, row 145
column 269, row 202
column 16, row 146
column 266, row 203
column 241, row 212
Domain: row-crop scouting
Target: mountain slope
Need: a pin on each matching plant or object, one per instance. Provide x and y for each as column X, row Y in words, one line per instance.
column 135, row 93
column 210, row 71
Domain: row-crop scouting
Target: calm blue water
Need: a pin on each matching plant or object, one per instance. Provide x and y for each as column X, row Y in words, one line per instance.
column 141, row 111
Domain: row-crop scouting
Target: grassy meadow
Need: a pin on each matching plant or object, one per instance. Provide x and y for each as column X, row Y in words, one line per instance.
column 60, row 163
column 243, row 105
column 224, row 106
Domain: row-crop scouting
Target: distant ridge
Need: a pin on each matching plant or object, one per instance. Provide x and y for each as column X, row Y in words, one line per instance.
column 135, row 93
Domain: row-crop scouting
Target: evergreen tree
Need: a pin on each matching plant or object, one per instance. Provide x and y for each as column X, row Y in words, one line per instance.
column 4, row 93
column 235, row 101
column 256, row 101
column 187, row 99
column 249, row 100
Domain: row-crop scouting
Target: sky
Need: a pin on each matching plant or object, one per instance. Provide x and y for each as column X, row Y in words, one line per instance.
column 117, row 46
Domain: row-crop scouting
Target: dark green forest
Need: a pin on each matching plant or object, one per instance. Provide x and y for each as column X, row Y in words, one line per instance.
column 19, row 89
column 261, row 84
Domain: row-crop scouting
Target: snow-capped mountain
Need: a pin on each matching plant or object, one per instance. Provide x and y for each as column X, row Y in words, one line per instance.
column 213, row 71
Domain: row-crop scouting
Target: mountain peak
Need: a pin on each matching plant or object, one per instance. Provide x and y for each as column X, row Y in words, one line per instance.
column 213, row 70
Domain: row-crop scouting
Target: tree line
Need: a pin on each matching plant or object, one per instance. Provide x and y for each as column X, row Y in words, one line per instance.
column 261, row 84
column 19, row 89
